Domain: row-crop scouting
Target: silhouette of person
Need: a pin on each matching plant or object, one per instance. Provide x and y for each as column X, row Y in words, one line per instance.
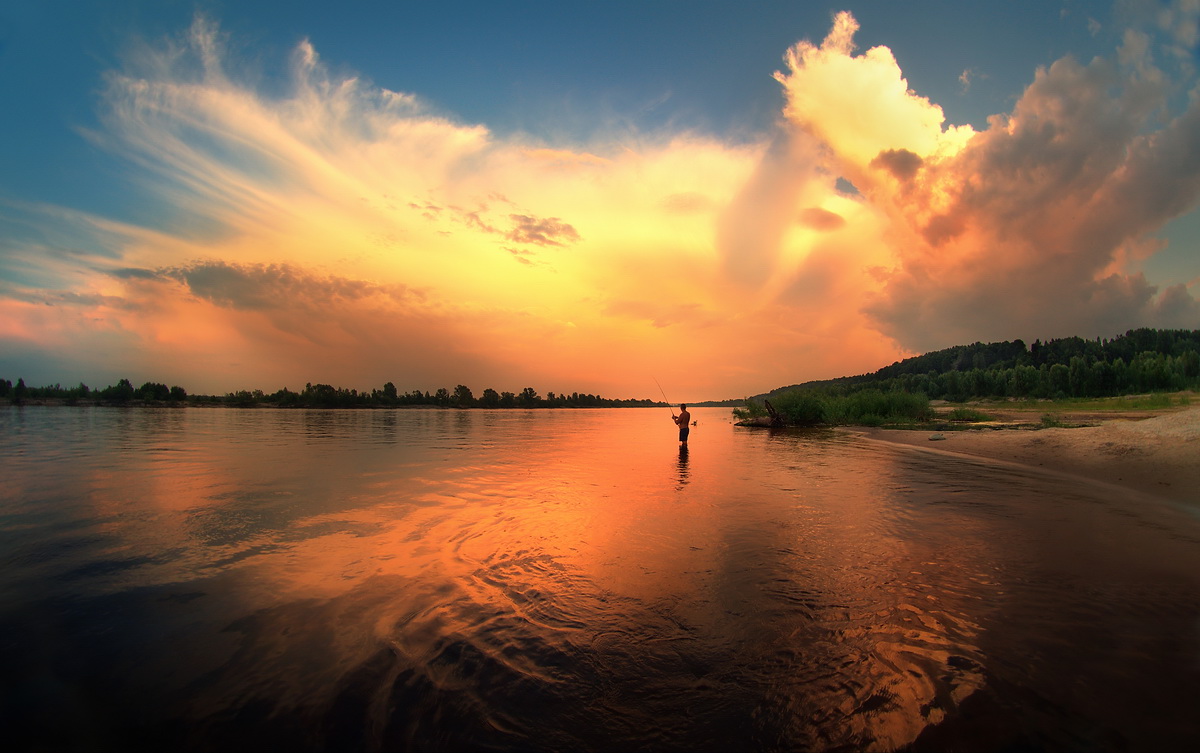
column 684, row 421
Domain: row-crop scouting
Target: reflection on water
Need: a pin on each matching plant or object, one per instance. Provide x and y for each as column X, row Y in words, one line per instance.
column 683, row 467
column 572, row 580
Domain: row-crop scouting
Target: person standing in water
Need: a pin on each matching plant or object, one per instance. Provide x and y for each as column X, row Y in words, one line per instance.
column 684, row 421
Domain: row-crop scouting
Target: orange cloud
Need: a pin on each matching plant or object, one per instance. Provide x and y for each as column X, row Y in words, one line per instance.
column 342, row 233
column 1018, row 231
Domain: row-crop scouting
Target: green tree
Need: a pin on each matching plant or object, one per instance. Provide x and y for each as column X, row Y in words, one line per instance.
column 490, row 399
column 1080, row 377
column 1022, row 381
column 285, row 397
column 1191, row 364
column 243, row 398
column 463, row 397
column 154, row 391
column 320, row 394
column 954, row 386
column 800, row 407
column 122, row 392
column 1060, row 381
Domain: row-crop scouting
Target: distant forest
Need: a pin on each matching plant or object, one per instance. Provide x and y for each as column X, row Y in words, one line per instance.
column 1140, row 361
column 313, row 396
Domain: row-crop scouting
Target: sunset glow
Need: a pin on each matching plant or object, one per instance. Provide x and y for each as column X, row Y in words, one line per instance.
column 324, row 228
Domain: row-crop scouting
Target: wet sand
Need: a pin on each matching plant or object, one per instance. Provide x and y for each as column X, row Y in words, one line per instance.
column 1153, row 452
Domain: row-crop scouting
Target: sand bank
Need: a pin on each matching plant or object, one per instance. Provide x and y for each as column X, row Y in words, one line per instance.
column 1157, row 455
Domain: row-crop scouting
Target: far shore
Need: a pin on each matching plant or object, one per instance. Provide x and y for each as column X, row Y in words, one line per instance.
column 1155, row 452
column 220, row 403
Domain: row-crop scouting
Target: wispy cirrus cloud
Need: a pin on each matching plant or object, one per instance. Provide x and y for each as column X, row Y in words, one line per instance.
column 332, row 230
column 257, row 287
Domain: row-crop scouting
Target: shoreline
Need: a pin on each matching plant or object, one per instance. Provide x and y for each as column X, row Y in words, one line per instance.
column 1158, row 455
column 53, row 402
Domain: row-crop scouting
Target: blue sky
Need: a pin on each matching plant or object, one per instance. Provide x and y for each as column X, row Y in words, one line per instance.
column 564, row 72
column 601, row 82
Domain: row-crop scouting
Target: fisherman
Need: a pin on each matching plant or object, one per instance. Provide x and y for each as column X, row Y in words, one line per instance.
column 684, row 421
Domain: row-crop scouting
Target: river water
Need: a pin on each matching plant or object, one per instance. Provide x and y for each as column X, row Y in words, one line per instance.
column 569, row 580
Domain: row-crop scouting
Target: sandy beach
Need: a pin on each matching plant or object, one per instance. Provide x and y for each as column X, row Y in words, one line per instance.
column 1154, row 452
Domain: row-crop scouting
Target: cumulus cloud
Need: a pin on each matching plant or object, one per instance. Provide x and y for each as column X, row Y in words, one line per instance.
column 860, row 105
column 1019, row 230
column 338, row 232
column 901, row 163
column 1181, row 20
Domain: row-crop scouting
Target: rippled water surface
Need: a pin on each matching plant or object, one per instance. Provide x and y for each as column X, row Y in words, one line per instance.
column 569, row 580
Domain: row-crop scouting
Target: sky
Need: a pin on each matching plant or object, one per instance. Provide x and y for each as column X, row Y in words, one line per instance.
column 584, row 197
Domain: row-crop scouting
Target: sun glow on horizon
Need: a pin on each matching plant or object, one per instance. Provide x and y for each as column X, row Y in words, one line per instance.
column 342, row 232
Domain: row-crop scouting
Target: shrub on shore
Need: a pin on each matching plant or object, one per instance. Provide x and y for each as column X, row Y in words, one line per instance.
column 801, row 408
column 864, row 408
column 969, row 415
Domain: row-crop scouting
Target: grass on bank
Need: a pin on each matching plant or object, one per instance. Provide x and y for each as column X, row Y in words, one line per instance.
column 1152, row 401
column 863, row 408
column 963, row 414
column 902, row 410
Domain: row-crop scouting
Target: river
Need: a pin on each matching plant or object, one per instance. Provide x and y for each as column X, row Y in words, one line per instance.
column 570, row 580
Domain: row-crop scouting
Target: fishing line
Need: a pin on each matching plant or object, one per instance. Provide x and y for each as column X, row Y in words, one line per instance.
column 670, row 406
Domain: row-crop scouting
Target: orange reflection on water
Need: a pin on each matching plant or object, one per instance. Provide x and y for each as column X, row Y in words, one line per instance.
column 794, row 589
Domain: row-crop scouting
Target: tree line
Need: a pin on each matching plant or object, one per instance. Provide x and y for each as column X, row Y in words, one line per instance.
column 312, row 396
column 462, row 396
column 1140, row 361
column 121, row 392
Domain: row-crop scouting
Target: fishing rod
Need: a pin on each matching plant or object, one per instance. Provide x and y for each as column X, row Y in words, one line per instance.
column 664, row 394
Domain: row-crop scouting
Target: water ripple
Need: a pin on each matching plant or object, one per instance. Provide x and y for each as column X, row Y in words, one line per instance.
column 569, row 580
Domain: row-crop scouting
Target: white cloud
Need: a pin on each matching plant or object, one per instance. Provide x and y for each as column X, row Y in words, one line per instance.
column 353, row 237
